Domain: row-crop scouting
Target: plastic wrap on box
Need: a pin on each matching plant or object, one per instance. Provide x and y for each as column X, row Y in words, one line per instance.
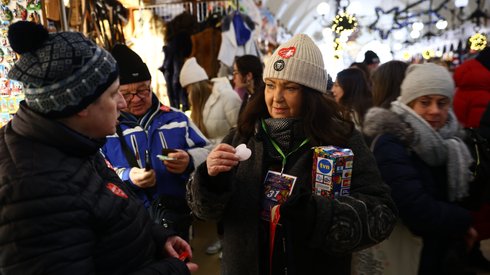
column 332, row 171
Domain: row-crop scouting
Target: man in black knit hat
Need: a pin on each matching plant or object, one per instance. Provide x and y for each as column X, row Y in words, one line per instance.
column 371, row 60
column 63, row 210
column 149, row 131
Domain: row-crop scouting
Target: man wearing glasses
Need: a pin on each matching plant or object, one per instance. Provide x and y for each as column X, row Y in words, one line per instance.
column 156, row 147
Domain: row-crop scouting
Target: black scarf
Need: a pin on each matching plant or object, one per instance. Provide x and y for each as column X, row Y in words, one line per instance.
column 286, row 132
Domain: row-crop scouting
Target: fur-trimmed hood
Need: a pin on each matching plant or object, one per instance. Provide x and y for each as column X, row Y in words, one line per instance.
column 383, row 121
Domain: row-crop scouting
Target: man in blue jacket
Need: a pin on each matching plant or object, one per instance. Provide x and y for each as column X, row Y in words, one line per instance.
column 156, row 147
column 62, row 209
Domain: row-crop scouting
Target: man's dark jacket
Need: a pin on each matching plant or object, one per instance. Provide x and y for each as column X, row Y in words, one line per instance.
column 63, row 211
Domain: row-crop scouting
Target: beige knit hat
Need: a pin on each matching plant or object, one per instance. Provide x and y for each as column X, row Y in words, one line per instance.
column 426, row 79
column 191, row 72
column 300, row 61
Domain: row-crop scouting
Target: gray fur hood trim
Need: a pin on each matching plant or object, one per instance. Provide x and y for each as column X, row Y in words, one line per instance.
column 380, row 121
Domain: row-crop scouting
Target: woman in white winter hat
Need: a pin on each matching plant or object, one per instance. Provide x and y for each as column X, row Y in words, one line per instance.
column 214, row 103
column 421, row 156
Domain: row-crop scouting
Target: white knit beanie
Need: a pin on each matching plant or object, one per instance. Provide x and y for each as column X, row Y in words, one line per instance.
column 299, row 60
column 426, row 79
column 191, row 72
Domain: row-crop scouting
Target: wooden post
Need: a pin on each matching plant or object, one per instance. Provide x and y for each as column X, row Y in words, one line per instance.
column 84, row 17
column 64, row 21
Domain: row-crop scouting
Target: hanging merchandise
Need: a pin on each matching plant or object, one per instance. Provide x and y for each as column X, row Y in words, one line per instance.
column 236, row 41
column 20, row 12
column 242, row 32
column 52, row 10
column 11, row 90
column 33, row 5
column 6, row 14
column 106, row 22
column 201, row 22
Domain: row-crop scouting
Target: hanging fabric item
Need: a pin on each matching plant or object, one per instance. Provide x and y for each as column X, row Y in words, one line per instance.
column 52, row 8
column 206, row 44
column 178, row 46
column 230, row 47
column 75, row 16
column 242, row 32
column 205, row 48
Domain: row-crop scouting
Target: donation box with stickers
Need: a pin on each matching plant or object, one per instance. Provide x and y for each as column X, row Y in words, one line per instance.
column 332, row 171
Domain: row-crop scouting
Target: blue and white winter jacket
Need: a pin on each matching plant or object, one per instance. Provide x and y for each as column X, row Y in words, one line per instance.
column 161, row 127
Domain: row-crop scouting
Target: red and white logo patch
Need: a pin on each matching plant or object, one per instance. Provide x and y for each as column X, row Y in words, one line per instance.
column 287, row 52
column 116, row 190
column 165, row 108
column 109, row 164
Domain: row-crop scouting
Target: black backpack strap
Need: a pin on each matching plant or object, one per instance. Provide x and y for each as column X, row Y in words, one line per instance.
column 124, row 145
column 131, row 158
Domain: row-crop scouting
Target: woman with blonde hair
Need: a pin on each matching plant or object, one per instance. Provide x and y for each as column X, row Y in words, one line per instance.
column 214, row 103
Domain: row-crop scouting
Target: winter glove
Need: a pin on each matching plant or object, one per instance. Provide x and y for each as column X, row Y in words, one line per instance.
column 299, row 212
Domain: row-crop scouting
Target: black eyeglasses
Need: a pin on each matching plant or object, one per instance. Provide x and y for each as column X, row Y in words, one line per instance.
column 141, row 93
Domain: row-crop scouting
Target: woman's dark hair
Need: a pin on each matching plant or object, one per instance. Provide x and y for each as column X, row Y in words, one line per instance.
column 357, row 95
column 364, row 68
column 387, row 80
column 322, row 119
column 251, row 64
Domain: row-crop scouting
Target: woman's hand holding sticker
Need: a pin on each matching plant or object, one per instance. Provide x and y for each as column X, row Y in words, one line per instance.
column 221, row 159
column 242, row 152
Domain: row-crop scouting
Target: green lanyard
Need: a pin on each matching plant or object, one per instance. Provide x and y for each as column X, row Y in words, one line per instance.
column 278, row 149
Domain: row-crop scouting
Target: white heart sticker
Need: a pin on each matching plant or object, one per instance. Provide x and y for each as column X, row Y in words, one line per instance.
column 242, row 152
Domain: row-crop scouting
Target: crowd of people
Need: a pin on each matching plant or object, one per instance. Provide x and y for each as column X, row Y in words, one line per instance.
column 97, row 175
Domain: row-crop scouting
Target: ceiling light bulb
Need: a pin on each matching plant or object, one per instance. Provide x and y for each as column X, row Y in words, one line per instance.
column 327, row 33
column 415, row 34
column 398, row 35
column 397, row 47
column 355, row 7
column 417, row 26
column 441, row 24
column 323, row 8
column 460, row 3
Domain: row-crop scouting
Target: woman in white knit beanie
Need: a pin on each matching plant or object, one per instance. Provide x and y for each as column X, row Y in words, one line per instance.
column 421, row 156
column 308, row 233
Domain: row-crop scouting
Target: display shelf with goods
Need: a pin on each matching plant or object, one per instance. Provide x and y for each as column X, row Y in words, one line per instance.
column 10, row 90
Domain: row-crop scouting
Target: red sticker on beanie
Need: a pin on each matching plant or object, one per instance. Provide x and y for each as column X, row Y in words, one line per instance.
column 287, row 52
column 116, row 190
